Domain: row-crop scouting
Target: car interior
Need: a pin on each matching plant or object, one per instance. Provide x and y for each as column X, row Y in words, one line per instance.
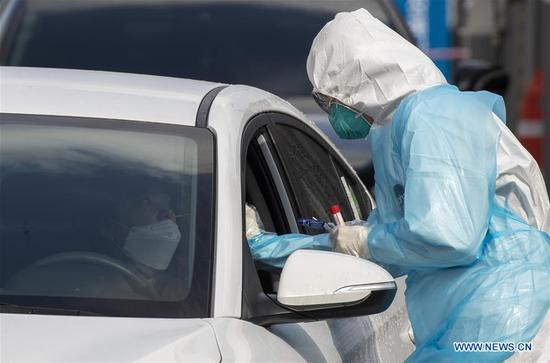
column 261, row 192
column 52, row 241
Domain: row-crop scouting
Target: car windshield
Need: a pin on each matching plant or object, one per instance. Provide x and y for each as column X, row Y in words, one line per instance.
column 258, row 43
column 102, row 216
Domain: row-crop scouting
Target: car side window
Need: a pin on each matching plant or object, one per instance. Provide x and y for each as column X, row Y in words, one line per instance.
column 289, row 171
column 316, row 177
column 360, row 200
column 264, row 189
column 266, row 194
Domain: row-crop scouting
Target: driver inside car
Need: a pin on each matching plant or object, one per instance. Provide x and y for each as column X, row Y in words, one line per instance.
column 142, row 230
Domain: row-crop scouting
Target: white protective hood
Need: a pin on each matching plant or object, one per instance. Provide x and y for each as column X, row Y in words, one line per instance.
column 360, row 61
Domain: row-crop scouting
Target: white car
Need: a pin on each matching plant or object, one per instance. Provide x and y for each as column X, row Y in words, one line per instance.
column 74, row 144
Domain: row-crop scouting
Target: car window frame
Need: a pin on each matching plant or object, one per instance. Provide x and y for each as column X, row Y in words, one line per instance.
column 254, row 300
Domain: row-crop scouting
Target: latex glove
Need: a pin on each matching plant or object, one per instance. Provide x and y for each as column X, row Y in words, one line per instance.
column 254, row 225
column 351, row 240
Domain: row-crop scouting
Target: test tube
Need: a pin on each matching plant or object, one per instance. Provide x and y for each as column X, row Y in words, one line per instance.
column 336, row 215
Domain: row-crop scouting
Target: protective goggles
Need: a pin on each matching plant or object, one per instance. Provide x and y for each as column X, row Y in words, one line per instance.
column 347, row 122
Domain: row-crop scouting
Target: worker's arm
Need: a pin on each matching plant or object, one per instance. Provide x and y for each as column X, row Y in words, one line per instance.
column 272, row 249
column 449, row 186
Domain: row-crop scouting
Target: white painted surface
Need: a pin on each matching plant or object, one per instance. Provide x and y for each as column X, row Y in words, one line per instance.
column 393, row 343
column 43, row 338
column 121, row 96
column 319, row 277
column 382, row 337
column 97, row 339
column 241, row 341
column 231, row 110
column 314, row 341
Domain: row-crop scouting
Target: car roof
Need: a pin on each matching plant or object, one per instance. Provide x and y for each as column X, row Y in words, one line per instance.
column 98, row 94
column 135, row 97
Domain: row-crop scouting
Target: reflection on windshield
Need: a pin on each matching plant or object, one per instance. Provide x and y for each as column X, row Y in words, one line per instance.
column 71, row 150
column 104, row 211
column 259, row 43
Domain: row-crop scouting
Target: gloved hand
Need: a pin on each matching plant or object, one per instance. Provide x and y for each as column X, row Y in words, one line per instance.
column 254, row 225
column 351, row 240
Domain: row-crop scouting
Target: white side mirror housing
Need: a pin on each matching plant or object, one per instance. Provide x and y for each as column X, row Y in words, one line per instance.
column 313, row 280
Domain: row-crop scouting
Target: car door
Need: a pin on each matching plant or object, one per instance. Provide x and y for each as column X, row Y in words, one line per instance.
column 293, row 172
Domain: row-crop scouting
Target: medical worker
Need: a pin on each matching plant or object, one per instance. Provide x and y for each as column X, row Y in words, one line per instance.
column 462, row 208
column 141, row 232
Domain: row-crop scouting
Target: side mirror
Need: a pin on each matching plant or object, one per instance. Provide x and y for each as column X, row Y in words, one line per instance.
column 333, row 285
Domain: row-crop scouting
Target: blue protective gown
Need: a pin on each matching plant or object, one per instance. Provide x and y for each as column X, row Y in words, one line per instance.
column 273, row 250
column 476, row 271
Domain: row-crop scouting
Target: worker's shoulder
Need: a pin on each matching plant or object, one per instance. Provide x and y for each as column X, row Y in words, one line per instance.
column 446, row 104
column 446, row 115
column 432, row 99
column 423, row 108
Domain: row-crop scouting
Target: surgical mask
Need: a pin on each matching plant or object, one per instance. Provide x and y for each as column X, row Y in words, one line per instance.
column 153, row 245
column 347, row 123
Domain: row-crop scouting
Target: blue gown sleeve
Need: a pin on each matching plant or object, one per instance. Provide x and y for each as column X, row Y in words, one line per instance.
column 273, row 250
column 449, row 171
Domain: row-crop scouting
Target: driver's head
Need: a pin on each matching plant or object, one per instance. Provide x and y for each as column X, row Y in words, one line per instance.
column 145, row 228
column 142, row 209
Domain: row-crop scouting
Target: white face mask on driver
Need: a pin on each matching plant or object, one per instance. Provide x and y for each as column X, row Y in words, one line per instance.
column 153, row 245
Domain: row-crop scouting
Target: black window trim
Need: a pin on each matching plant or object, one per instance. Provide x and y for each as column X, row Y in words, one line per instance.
column 282, row 189
column 257, row 306
column 201, row 121
column 203, row 112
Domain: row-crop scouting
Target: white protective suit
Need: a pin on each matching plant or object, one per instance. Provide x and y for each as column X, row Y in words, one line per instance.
column 460, row 203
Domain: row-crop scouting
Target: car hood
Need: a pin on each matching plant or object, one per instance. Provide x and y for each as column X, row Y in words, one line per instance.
column 49, row 338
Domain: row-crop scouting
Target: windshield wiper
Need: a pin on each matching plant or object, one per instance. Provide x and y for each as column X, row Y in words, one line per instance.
column 7, row 307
